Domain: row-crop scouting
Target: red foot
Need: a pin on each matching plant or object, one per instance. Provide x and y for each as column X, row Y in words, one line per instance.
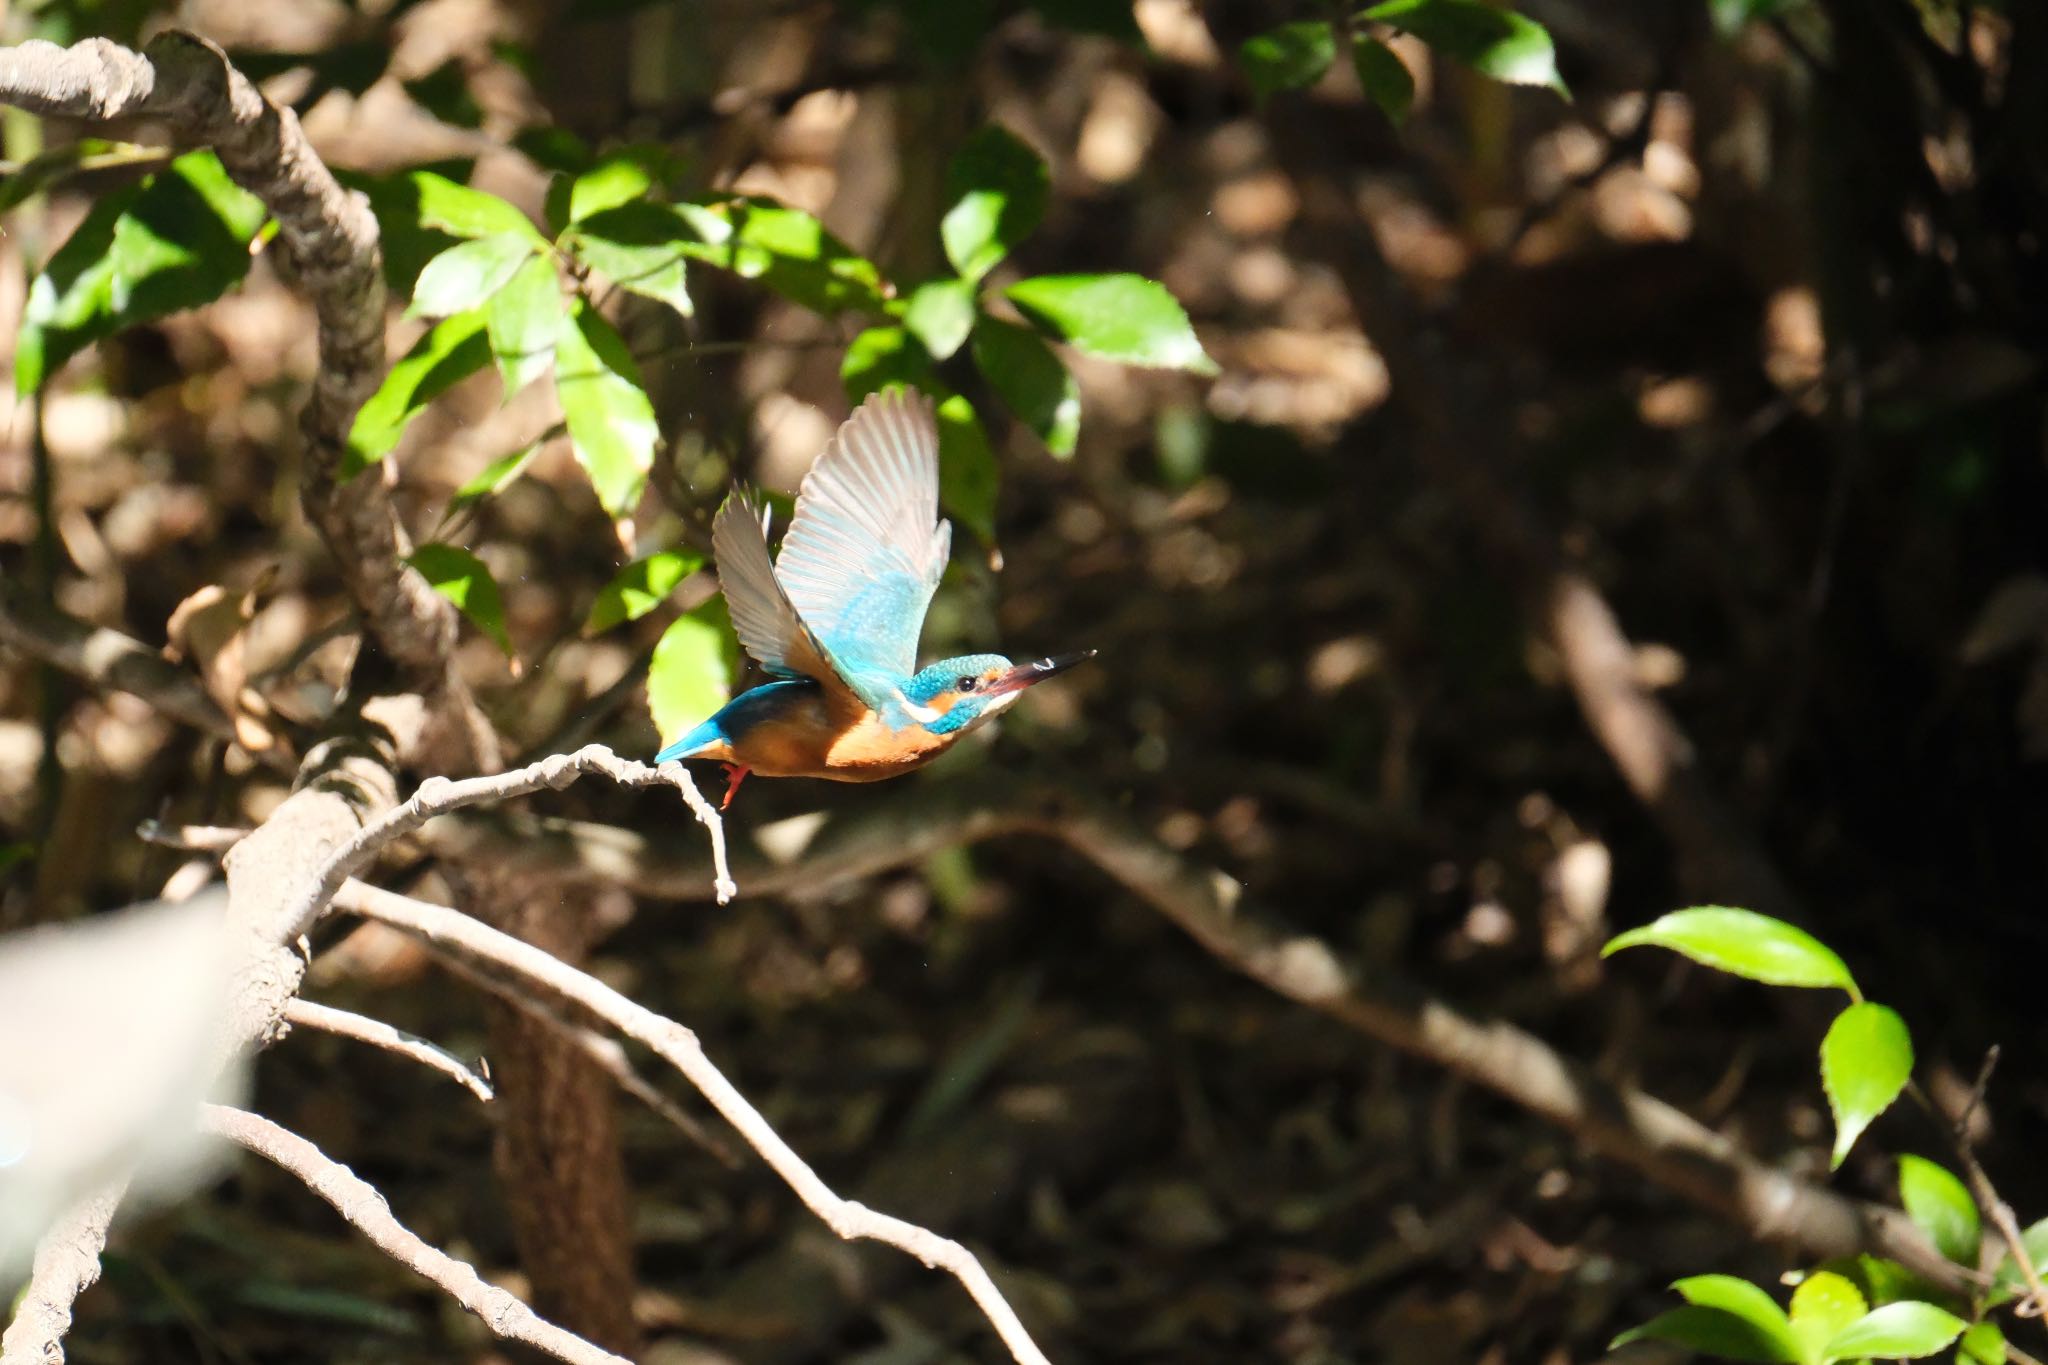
column 735, row 773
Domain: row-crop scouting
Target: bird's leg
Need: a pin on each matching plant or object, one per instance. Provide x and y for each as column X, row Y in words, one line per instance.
column 735, row 773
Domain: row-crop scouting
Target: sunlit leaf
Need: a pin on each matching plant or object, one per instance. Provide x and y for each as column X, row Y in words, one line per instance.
column 1897, row 1331
column 997, row 188
column 881, row 356
column 641, row 248
column 941, row 314
column 174, row 241
column 493, row 478
column 609, row 416
column 1288, row 57
column 461, row 577
column 467, row 274
column 1982, row 1344
column 1492, row 40
column 466, row 212
column 1744, row 943
column 691, row 673
column 968, row 475
column 640, row 587
column 522, row 320
column 1032, row 381
column 1865, row 1061
column 455, row 349
column 1940, row 1204
column 1126, row 318
column 1713, row 1331
column 1384, row 77
column 614, row 181
column 785, row 249
column 1822, row 1305
column 1746, row 1301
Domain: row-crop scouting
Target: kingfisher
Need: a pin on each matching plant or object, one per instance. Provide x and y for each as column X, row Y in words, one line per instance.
column 835, row 621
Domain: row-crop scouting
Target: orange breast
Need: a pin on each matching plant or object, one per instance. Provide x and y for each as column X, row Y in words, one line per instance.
column 834, row 736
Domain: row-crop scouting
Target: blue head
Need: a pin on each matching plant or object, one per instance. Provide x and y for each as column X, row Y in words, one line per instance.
column 955, row 695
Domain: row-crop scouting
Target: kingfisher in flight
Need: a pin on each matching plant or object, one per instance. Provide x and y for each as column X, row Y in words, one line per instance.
column 836, row 619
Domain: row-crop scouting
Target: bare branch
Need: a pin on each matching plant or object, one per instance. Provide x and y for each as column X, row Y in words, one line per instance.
column 359, row 1202
column 67, row 1264
column 190, row 838
column 303, row 1013
column 1983, row 1191
column 679, row 1047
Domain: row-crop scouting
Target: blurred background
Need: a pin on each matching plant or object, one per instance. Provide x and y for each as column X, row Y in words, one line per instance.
column 1746, row 336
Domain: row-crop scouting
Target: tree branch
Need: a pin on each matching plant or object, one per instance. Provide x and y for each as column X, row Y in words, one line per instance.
column 302, row 1013
column 67, row 1264
column 359, row 1202
column 677, row 1046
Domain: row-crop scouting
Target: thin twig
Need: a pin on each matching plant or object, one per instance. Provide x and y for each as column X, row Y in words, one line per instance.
column 678, row 1046
column 1982, row 1190
column 341, row 1023
column 190, row 838
column 360, row 1203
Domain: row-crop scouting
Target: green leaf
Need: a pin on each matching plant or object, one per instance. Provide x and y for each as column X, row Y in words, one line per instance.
column 787, row 250
column 1983, row 1344
column 1109, row 18
column 1714, row 1331
column 465, row 212
column 641, row 248
column 1865, row 1061
column 1940, row 1204
column 1031, row 380
column 450, row 353
column 614, row 181
column 522, row 320
column 691, row 673
column 1897, row 1331
column 941, row 314
column 1746, row 1301
column 174, row 241
column 461, row 577
column 1822, row 1305
column 1744, row 943
column 2009, row 1281
column 610, row 418
column 640, row 587
column 1493, row 41
column 881, row 356
column 1384, row 77
column 1730, row 16
column 1126, row 318
column 468, row 274
column 998, row 188
column 60, row 163
column 1288, row 57
column 493, row 478
column 15, row 853
column 968, row 475
column 444, row 92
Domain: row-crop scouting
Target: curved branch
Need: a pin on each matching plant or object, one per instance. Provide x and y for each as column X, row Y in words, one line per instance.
column 307, row 1014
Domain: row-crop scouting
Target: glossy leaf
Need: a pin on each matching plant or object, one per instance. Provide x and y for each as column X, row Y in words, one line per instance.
column 1822, row 1305
column 465, row 212
column 461, row 577
column 968, row 475
column 605, row 405
column 467, row 274
column 1865, row 1061
column 787, row 250
column 997, row 188
column 639, row 247
column 691, row 673
column 881, row 356
column 1982, row 1344
column 2009, row 1280
column 522, row 320
column 1127, row 318
column 1940, row 1205
column 174, row 241
column 1033, row 382
column 1746, row 1301
column 1897, row 1331
column 455, row 349
column 493, row 478
column 614, row 181
column 1744, row 943
column 1288, row 57
column 640, row 587
column 940, row 315
column 1491, row 40
column 1713, row 1331
column 1385, row 78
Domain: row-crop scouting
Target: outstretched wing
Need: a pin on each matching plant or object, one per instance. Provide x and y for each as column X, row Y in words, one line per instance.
column 867, row 548
column 768, row 626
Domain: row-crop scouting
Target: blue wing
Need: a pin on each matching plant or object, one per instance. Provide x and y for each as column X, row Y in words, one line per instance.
column 867, row 548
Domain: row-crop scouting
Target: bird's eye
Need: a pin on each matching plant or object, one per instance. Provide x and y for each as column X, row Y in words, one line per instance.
column 966, row 684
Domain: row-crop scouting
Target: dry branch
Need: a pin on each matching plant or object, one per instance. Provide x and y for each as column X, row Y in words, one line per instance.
column 677, row 1046
column 301, row 1013
column 359, row 1202
column 67, row 1264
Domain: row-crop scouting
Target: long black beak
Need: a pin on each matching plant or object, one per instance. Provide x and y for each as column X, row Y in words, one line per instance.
column 1023, row 675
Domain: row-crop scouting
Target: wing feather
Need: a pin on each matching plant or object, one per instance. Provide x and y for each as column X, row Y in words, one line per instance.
column 768, row 626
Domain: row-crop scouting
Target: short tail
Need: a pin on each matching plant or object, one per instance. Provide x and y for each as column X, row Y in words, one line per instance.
column 690, row 745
